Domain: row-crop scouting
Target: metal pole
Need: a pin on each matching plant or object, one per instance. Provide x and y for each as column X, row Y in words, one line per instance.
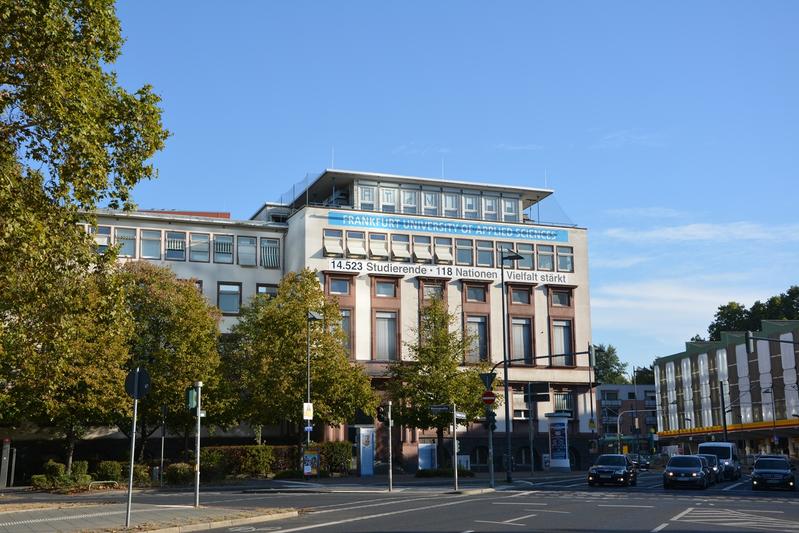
column 635, row 411
column 308, row 374
column 618, row 431
column 13, row 466
column 773, row 418
column 723, row 410
column 132, row 448
column 530, row 407
column 390, row 455
column 163, row 437
column 508, row 399
column 199, row 385
column 455, row 444
column 490, row 457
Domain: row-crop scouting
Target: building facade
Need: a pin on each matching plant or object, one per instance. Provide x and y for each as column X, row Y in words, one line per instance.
column 382, row 244
column 627, row 415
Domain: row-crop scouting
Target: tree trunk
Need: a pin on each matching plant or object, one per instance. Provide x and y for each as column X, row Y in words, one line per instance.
column 70, row 452
column 441, row 455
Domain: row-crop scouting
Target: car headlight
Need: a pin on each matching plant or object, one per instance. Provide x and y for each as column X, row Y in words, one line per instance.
column 725, row 463
column 695, row 474
column 671, row 474
column 715, row 469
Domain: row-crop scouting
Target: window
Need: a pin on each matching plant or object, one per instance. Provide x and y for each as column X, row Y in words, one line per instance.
column 385, row 336
column 526, row 251
column 176, row 245
column 477, row 329
column 247, row 251
column 401, row 247
column 378, row 245
column 430, row 203
column 346, row 327
column 561, row 298
column 510, row 210
column 102, row 238
column 333, row 242
column 490, row 208
column 485, row 253
column 126, row 240
column 339, row 285
column 504, row 248
column 521, row 335
column 520, row 407
column 223, row 249
column 356, row 244
column 471, row 206
column 229, row 298
column 562, row 343
column 422, row 251
column 385, row 288
column 631, row 396
column 443, row 249
column 199, row 247
column 388, row 200
column 432, row 289
column 563, row 401
column 367, row 198
column 150, row 244
column 267, row 289
column 270, row 253
column 520, row 295
column 475, row 293
column 565, row 259
column 464, row 252
column 545, row 257
column 452, row 205
column 410, row 202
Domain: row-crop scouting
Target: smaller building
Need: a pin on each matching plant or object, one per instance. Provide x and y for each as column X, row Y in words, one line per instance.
column 627, row 418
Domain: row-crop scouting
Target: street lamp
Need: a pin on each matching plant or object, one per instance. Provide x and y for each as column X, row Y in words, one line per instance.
column 505, row 255
column 313, row 316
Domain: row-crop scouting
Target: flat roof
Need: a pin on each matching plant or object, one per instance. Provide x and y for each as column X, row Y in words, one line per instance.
column 174, row 216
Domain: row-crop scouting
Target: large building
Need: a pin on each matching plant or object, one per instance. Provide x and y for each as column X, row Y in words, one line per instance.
column 627, row 416
column 381, row 245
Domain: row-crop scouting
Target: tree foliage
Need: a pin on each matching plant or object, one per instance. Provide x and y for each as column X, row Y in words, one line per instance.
column 645, row 375
column 734, row 316
column 608, row 368
column 266, row 357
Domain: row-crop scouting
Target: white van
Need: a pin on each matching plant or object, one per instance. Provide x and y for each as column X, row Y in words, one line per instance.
column 728, row 457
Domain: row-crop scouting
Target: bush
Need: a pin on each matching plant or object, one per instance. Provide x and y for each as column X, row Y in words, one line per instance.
column 40, row 482
column 289, row 474
column 141, row 474
column 54, row 470
column 108, row 471
column 179, row 474
column 286, row 458
column 213, row 464
column 80, row 468
column 257, row 461
column 81, row 481
column 335, row 456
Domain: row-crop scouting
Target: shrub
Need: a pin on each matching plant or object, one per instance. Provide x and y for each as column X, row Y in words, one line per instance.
column 289, row 474
column 81, row 481
column 257, row 461
column 54, row 470
column 213, row 464
column 40, row 482
column 286, row 458
column 141, row 474
column 108, row 471
column 179, row 474
column 80, row 468
column 335, row 456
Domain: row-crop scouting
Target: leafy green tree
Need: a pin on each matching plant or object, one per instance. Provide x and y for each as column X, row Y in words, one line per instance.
column 608, row 368
column 266, row 358
column 645, row 375
column 734, row 316
column 434, row 375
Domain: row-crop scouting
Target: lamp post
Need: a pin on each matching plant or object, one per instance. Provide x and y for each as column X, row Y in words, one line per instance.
column 505, row 255
column 312, row 317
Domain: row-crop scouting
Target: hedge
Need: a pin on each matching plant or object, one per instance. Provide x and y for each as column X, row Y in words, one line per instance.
column 108, row 471
column 179, row 474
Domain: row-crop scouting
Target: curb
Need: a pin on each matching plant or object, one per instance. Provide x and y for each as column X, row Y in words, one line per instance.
column 203, row 526
column 469, row 492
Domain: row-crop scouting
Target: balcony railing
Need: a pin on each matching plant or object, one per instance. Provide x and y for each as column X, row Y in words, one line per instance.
column 610, row 403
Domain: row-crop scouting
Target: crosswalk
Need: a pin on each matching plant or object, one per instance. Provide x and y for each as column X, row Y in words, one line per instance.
column 758, row 520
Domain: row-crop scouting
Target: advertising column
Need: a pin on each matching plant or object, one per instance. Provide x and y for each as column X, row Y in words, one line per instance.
column 558, row 443
column 366, row 450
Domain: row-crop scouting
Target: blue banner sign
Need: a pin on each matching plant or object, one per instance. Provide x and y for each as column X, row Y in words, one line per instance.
column 461, row 228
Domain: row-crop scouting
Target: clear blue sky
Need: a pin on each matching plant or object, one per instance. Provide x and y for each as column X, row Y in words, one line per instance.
column 669, row 129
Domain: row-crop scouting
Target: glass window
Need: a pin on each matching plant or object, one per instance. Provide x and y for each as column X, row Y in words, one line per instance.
column 561, row 298
column 526, row 251
column 432, row 289
column 339, row 286
column 546, row 261
column 223, row 249
column 443, row 249
column 247, row 253
column 102, row 237
column 378, row 245
column 356, row 244
column 562, row 343
column 385, row 336
column 150, row 244
column 388, row 200
column 452, row 205
column 471, row 206
column 422, row 249
column 176, row 245
column 510, row 210
column 505, row 248
column 401, row 247
column 520, row 295
column 563, row 401
column 367, row 197
column 490, row 207
column 267, row 289
column 430, row 203
column 565, row 259
column 385, row 288
column 229, row 298
column 521, row 334
column 126, row 240
column 346, row 327
column 333, row 242
column 410, row 202
column 464, row 252
column 270, row 253
column 199, row 247
column 475, row 293
column 485, row 253
column 477, row 329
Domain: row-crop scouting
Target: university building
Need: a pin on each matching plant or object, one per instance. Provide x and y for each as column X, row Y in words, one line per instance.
column 381, row 245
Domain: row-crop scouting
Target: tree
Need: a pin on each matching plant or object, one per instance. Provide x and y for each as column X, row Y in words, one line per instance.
column 734, row 316
column 607, row 366
column 434, row 375
column 645, row 375
column 266, row 357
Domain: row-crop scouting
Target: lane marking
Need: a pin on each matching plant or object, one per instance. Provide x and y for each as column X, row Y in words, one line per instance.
column 660, row 527
column 510, row 521
column 487, row 522
column 389, row 502
column 759, row 511
column 677, row 517
column 733, row 486
column 619, row 505
column 518, row 503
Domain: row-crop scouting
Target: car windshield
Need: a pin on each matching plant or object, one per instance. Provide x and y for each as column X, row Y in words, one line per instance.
column 684, row 462
column 610, row 460
column 711, row 459
column 722, row 452
column 772, row 464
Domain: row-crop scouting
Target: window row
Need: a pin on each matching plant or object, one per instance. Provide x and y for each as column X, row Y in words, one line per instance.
column 447, row 250
column 194, row 246
column 228, row 295
column 437, row 203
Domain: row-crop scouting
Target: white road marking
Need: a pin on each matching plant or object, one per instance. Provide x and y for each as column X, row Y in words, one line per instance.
column 390, row 502
column 677, row 517
column 759, row 511
column 518, row 503
column 500, row 523
column 733, row 486
column 660, row 527
column 619, row 505
column 510, row 521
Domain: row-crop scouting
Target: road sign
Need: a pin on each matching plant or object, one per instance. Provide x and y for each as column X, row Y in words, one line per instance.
column 308, row 429
column 137, row 388
column 307, row 411
column 489, row 397
column 439, row 409
column 460, row 415
column 488, row 379
column 537, row 391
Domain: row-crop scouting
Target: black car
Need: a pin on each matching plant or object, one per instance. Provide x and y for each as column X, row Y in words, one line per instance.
column 685, row 470
column 773, row 473
column 613, row 468
column 640, row 461
column 713, row 467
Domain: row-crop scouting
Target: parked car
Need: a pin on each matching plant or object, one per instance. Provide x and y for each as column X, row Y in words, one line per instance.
column 772, row 472
column 685, row 470
column 613, row 468
column 640, row 461
column 727, row 454
column 713, row 467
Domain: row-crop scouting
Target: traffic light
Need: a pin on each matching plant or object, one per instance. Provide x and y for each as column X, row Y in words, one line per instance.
column 490, row 421
column 591, row 355
column 381, row 413
column 191, row 398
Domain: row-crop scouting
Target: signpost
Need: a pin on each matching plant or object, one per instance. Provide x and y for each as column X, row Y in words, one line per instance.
column 199, row 386
column 489, row 397
column 488, row 380
column 137, row 385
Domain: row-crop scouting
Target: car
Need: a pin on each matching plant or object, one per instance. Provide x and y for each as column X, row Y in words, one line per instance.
column 727, row 454
column 640, row 461
column 685, row 470
column 713, row 467
column 613, row 468
column 773, row 472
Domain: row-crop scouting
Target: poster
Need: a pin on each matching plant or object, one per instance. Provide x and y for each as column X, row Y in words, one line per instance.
column 366, row 450
column 310, row 463
column 557, row 440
